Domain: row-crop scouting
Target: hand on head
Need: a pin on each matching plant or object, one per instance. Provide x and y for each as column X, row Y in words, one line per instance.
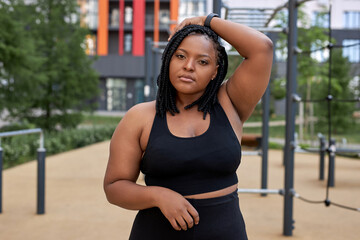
column 188, row 21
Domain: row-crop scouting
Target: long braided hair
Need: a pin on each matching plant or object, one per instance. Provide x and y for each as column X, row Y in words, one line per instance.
column 166, row 95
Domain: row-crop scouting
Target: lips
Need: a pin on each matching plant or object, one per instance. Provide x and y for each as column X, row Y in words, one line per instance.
column 186, row 78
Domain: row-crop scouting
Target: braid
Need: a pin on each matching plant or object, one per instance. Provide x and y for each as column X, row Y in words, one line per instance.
column 166, row 95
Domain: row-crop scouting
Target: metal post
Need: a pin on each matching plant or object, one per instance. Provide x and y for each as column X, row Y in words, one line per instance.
column 265, row 138
column 290, row 119
column 217, row 4
column 148, row 69
column 332, row 148
column 41, row 152
column 1, row 169
column 331, row 152
column 156, row 66
column 322, row 157
column 41, row 166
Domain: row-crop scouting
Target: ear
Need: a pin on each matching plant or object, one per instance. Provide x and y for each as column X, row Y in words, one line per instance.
column 215, row 73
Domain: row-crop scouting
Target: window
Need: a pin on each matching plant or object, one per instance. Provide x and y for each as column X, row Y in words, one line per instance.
column 352, row 19
column 190, row 8
column 91, row 18
column 351, row 50
column 116, row 94
column 149, row 20
column 128, row 43
column 320, row 19
column 128, row 15
column 90, row 44
column 114, row 17
column 164, row 16
column 139, row 91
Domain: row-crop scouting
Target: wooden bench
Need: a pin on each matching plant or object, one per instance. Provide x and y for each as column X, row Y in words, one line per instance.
column 253, row 141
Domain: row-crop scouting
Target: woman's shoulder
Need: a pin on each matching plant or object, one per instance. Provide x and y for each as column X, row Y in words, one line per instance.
column 144, row 106
column 138, row 121
column 141, row 111
column 137, row 118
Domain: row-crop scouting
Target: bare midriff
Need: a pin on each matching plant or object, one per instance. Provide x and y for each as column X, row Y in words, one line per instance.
column 218, row 193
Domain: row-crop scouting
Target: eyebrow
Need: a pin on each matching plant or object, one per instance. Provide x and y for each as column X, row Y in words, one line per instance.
column 200, row 55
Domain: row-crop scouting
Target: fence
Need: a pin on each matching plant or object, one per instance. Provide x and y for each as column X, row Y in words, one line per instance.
column 40, row 166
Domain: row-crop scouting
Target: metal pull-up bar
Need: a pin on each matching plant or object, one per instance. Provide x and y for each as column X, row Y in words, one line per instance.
column 262, row 191
column 40, row 166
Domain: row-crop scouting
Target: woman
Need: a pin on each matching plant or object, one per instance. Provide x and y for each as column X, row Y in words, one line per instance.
column 187, row 142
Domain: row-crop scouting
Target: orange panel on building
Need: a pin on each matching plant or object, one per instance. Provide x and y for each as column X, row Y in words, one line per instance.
column 102, row 32
column 156, row 20
column 174, row 13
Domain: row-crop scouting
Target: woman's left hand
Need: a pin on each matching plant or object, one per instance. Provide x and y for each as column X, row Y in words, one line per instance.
column 188, row 21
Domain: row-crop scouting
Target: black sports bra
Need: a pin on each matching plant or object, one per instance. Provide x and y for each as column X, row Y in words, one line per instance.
column 192, row 165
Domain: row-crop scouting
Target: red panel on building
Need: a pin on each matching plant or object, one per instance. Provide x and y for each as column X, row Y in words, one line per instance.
column 121, row 27
column 138, row 28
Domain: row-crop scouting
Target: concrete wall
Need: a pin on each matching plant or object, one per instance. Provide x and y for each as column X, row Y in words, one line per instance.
column 125, row 66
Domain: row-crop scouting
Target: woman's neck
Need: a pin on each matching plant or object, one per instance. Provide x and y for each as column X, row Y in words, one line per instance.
column 183, row 100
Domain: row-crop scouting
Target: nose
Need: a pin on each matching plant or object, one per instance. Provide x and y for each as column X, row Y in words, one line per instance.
column 189, row 65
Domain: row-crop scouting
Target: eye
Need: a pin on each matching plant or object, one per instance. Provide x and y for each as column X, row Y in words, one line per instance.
column 179, row 56
column 203, row 62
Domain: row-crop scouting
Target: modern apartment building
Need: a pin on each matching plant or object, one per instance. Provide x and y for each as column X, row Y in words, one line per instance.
column 119, row 29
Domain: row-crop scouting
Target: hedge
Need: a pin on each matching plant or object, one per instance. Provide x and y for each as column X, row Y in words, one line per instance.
column 21, row 149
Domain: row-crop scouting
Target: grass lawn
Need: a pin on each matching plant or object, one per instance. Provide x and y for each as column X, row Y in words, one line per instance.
column 100, row 120
column 352, row 136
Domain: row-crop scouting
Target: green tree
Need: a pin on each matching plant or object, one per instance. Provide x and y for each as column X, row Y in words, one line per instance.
column 312, row 76
column 65, row 81
column 309, row 38
column 69, row 80
column 19, row 60
column 341, row 112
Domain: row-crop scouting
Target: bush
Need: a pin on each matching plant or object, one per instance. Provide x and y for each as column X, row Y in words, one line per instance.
column 17, row 126
column 20, row 149
column 274, row 145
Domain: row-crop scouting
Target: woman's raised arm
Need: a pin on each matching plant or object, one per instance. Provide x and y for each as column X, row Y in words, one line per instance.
column 249, row 81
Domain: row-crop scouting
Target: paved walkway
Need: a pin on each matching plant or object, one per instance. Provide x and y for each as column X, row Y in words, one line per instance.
column 76, row 207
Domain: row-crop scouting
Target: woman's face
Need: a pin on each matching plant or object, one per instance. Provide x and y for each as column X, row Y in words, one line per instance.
column 193, row 65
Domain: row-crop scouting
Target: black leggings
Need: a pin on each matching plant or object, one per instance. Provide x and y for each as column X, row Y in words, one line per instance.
column 220, row 219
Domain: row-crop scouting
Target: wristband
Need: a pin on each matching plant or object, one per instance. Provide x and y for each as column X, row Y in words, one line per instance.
column 209, row 18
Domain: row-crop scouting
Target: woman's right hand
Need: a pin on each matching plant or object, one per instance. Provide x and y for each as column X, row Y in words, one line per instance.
column 188, row 21
column 178, row 211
